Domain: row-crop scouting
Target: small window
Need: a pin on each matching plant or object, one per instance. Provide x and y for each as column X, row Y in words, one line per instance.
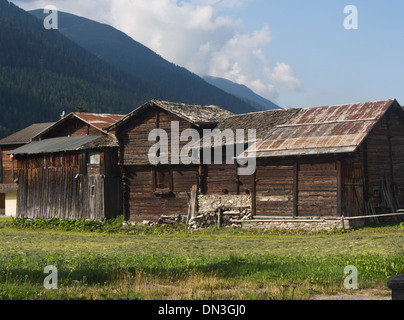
column 163, row 178
column 94, row 157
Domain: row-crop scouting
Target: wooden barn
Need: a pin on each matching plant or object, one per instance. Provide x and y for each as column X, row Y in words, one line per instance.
column 316, row 168
column 151, row 191
column 8, row 187
column 336, row 162
column 341, row 160
column 70, row 170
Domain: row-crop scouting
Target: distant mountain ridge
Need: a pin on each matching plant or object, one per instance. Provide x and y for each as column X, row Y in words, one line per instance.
column 121, row 51
column 243, row 92
column 43, row 73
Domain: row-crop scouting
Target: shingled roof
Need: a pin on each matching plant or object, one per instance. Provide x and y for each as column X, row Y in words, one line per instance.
column 25, row 135
column 194, row 113
column 324, row 130
column 263, row 122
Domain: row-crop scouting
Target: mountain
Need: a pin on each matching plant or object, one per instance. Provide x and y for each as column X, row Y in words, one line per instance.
column 121, row 51
column 42, row 73
column 242, row 92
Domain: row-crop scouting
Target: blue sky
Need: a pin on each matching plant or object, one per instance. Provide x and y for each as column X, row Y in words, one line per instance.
column 335, row 65
column 296, row 53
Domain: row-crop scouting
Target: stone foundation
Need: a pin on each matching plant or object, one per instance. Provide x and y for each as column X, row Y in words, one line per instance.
column 221, row 210
column 317, row 224
column 236, row 211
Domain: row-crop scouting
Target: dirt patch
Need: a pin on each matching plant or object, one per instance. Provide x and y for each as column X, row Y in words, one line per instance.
column 359, row 295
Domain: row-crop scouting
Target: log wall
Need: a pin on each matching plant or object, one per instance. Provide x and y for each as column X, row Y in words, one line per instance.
column 72, row 127
column 274, row 189
column 144, row 202
column 317, row 188
column 7, row 172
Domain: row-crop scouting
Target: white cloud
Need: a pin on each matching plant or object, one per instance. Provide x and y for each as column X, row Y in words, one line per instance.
column 284, row 73
column 195, row 34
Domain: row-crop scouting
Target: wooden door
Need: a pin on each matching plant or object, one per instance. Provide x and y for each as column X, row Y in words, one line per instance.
column 274, row 190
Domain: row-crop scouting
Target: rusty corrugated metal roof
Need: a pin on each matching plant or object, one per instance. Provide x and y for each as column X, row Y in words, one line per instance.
column 322, row 130
column 99, row 121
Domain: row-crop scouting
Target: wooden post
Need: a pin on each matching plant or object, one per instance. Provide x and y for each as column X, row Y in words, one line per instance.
column 295, row 187
column 339, row 189
column 192, row 203
column 365, row 177
column 253, row 194
column 219, row 218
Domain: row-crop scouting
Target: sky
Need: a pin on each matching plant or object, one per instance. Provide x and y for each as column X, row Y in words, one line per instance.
column 295, row 53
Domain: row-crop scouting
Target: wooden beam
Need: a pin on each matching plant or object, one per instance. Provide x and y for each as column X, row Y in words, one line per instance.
column 295, row 188
column 339, row 188
column 254, row 193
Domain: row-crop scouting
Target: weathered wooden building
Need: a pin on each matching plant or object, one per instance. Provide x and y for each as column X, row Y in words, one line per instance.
column 319, row 166
column 70, row 170
column 332, row 162
column 151, row 191
column 8, row 174
column 335, row 161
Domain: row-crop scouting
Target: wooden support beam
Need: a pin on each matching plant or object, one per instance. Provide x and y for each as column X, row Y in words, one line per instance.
column 295, row 188
column 339, row 188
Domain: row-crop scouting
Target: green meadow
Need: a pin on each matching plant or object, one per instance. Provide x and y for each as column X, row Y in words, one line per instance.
column 106, row 261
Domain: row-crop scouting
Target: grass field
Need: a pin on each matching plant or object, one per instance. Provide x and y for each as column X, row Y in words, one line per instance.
column 163, row 263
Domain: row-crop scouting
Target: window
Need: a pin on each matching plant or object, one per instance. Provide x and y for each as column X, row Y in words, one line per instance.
column 94, row 157
column 163, row 179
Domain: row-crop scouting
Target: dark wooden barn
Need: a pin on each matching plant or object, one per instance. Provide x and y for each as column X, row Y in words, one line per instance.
column 311, row 165
column 151, row 191
column 70, row 170
column 334, row 163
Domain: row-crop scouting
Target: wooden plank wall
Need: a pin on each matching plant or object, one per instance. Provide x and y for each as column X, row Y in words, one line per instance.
column 141, row 202
column 7, row 164
column 317, row 188
column 385, row 158
column 133, row 136
column 274, row 189
column 72, row 127
column 2, row 201
column 354, row 183
column 221, row 179
column 396, row 140
column 59, row 193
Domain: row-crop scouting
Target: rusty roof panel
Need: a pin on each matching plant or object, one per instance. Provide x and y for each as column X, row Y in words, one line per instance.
column 342, row 113
column 99, row 121
column 331, row 129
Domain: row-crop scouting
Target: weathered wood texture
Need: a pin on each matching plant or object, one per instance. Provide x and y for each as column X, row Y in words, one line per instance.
column 221, row 179
column 143, row 201
column 317, row 188
column 2, row 201
column 274, row 190
column 134, row 136
column 63, row 193
column 71, row 127
column 385, row 160
column 7, row 165
column 298, row 187
column 65, row 186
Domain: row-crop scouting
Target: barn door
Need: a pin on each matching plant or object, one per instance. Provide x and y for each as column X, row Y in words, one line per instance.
column 353, row 190
column 274, row 191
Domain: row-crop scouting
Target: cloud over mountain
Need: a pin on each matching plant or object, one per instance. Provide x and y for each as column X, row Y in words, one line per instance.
column 195, row 34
